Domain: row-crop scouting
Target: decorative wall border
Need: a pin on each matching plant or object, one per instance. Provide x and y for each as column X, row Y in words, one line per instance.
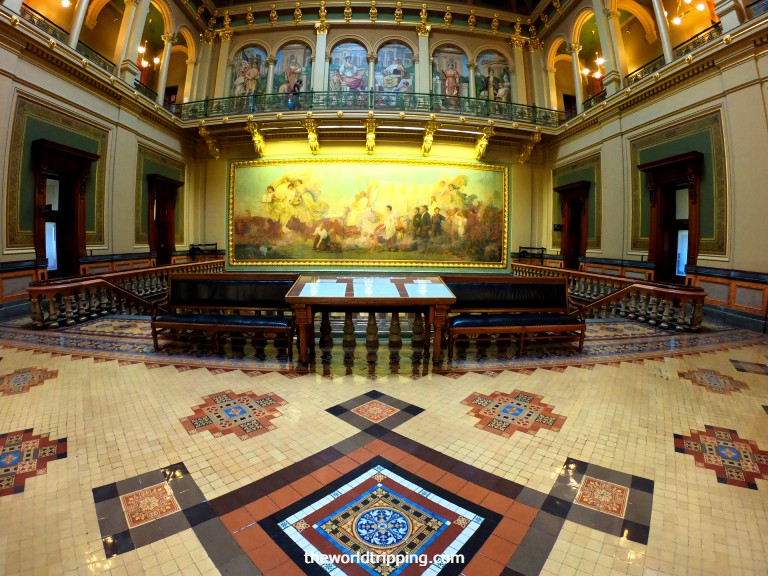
column 711, row 123
column 16, row 235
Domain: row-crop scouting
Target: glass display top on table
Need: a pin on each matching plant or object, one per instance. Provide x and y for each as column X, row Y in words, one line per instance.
column 345, row 287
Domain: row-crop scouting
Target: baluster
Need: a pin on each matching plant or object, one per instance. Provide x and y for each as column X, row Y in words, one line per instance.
column 53, row 311
column 680, row 326
column 697, row 316
column 93, row 304
column 81, row 306
column 395, row 341
column 326, row 339
column 70, row 304
column 349, row 331
column 665, row 305
column 36, row 312
column 632, row 313
column 112, row 302
column 417, row 330
column 641, row 308
column 623, row 305
column 372, row 332
column 651, row 309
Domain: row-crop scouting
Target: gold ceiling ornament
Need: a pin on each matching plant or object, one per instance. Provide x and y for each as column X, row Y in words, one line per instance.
column 525, row 155
column 297, row 13
column 259, row 145
column 373, row 13
column 482, row 142
column 323, row 11
column 472, row 20
column 429, row 135
column 370, row 124
column 209, row 34
column 399, row 12
column 213, row 145
column 423, row 15
column 495, row 23
column 272, row 15
column 249, row 18
column 227, row 32
column 347, row 11
column 310, row 124
column 339, row 114
column 448, row 18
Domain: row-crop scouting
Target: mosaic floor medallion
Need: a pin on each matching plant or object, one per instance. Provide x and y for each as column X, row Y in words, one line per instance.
column 149, row 507
column 603, row 499
column 375, row 412
column 23, row 379
column 517, row 411
column 381, row 520
column 735, row 461
column 752, row 367
column 603, row 496
column 246, row 415
column 714, row 381
column 22, row 455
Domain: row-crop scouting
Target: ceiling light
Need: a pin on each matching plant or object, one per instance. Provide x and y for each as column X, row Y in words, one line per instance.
column 65, row 3
column 600, row 60
column 701, row 7
column 677, row 20
column 156, row 60
column 586, row 71
column 143, row 48
column 144, row 63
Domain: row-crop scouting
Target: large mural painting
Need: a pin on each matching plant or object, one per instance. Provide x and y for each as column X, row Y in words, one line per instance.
column 378, row 213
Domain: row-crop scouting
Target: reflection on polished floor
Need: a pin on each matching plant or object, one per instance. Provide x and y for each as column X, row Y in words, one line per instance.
column 646, row 454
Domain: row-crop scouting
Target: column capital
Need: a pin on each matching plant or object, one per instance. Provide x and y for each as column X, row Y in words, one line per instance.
column 271, row 60
column 611, row 13
column 169, row 38
column 472, row 65
column 322, row 27
column 573, row 48
column 372, row 58
column 423, row 30
column 517, row 42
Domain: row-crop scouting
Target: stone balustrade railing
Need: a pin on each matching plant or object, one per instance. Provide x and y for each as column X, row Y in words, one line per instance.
column 667, row 306
column 73, row 300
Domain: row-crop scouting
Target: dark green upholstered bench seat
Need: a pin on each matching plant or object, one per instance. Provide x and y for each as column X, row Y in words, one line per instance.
column 529, row 308
column 227, row 303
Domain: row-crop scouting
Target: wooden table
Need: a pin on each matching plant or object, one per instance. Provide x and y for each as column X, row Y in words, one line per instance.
column 345, row 293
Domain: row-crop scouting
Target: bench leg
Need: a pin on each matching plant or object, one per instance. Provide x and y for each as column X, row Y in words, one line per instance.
column 581, row 341
column 217, row 340
column 521, row 344
column 450, row 345
column 154, row 339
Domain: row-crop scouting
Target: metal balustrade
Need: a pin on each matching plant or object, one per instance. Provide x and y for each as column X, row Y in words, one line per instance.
column 645, row 70
column 595, row 100
column 70, row 301
column 758, row 8
column 96, row 58
column 145, row 90
column 378, row 101
column 699, row 40
column 42, row 23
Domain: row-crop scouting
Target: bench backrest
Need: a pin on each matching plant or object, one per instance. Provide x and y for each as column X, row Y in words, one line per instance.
column 224, row 291
column 513, row 293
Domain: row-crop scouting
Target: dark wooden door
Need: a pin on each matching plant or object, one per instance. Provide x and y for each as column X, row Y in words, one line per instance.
column 573, row 209
column 663, row 178
column 71, row 168
column 162, row 217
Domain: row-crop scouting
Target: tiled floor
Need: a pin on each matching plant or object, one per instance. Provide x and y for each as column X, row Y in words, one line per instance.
column 647, row 454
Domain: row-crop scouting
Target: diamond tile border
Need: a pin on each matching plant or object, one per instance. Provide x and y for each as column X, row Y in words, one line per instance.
column 635, row 521
column 246, row 415
column 24, row 455
column 736, row 461
column 354, row 412
column 517, row 411
column 714, row 381
column 21, row 380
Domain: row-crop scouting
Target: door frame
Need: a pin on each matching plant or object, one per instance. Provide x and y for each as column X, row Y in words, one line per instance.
column 663, row 178
column 573, row 210
column 71, row 167
column 162, row 217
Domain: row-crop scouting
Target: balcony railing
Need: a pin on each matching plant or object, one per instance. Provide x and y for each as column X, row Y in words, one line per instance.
column 699, row 40
column 369, row 100
column 757, row 8
column 645, row 70
column 595, row 100
column 41, row 22
column 96, row 58
column 146, row 90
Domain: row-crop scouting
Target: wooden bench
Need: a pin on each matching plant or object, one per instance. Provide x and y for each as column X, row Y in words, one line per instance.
column 226, row 303
column 209, row 251
column 530, row 308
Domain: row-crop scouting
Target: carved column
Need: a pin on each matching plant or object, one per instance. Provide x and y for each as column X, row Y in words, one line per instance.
column 611, row 80
column 168, row 40
column 223, row 69
column 128, row 68
column 663, row 26
column 271, row 61
column 189, row 80
column 319, row 78
column 125, row 30
column 423, row 76
column 519, row 93
column 77, row 23
column 371, row 71
column 574, row 50
column 472, row 66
